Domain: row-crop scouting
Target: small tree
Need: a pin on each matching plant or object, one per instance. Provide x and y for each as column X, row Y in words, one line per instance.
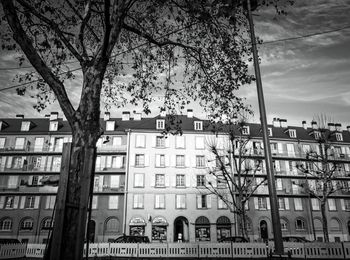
column 234, row 178
column 321, row 168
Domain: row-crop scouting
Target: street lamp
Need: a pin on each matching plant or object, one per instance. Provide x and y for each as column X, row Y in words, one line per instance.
column 276, row 224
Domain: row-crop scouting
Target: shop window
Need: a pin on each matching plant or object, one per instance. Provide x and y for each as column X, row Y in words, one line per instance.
column 159, row 229
column 202, row 229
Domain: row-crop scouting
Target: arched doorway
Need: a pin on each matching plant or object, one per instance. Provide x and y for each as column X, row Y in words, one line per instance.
column 264, row 234
column 181, row 227
column 91, row 231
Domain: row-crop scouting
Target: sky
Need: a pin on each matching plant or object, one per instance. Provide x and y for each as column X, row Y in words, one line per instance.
column 305, row 67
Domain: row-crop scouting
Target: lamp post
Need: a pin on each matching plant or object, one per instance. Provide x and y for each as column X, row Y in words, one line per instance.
column 276, row 224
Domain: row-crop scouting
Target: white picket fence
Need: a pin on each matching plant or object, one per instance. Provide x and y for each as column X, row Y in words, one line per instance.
column 190, row 250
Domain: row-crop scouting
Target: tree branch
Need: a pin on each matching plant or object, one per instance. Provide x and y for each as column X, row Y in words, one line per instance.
column 25, row 42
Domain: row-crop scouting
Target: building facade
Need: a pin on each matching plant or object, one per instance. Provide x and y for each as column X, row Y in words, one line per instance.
column 151, row 182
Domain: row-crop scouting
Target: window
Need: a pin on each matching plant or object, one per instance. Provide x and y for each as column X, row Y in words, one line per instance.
column 180, row 180
column 269, row 131
column 203, row 201
column 315, row 204
column 317, row 135
column 198, row 125
column 117, row 140
column 160, row 124
column 245, row 130
column 180, row 160
column 298, row 204
column 200, row 180
column 299, row 224
column 2, row 143
column 139, row 160
column 112, row 224
column 56, row 144
column 47, row 223
column 274, row 148
column 110, row 125
column 290, row 149
column 160, row 180
column 200, row 161
column 17, row 162
column 200, row 142
column 339, row 136
column 160, row 160
column 56, row 164
column 38, row 144
column 50, row 202
column 345, row 204
column 19, row 144
column 138, row 180
column 180, row 201
column 94, row 203
column 292, row 133
column 262, row 203
column 180, row 141
column 140, row 141
column 281, row 204
column 25, row 126
column 31, row 202
column 53, row 126
column 27, row 224
column 331, row 205
column 159, row 201
column 113, row 202
column 6, row 224
column 138, row 201
column 115, row 181
column 279, row 185
column 11, row 202
column 284, row 224
column 160, row 141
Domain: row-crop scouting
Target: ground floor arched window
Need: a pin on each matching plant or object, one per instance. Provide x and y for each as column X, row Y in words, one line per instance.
column 202, row 229
column 159, row 229
column 223, row 227
column 137, row 226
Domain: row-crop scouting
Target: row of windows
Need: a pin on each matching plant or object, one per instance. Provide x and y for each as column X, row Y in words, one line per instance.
column 32, row 163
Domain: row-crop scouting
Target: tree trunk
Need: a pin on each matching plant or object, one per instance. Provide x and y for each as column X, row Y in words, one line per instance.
column 324, row 221
column 244, row 221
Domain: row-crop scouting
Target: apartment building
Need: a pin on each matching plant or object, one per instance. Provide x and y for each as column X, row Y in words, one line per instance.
column 149, row 182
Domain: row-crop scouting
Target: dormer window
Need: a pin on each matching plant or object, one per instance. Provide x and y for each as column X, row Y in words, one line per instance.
column 198, row 125
column 25, row 126
column 269, row 131
column 160, row 124
column 317, row 135
column 110, row 125
column 339, row 136
column 53, row 126
column 292, row 133
column 245, row 130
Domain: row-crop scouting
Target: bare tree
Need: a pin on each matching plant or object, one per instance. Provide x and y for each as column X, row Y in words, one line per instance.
column 235, row 176
column 321, row 168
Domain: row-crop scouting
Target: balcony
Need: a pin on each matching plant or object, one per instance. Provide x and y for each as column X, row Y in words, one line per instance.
column 30, row 168
column 111, row 148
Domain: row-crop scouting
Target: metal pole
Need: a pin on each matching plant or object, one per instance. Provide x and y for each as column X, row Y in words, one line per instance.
column 276, row 224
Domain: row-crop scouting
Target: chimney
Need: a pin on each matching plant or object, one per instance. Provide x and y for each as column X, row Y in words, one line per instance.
column 348, row 128
column 331, row 126
column 276, row 122
column 53, row 116
column 125, row 116
column 20, row 116
column 304, row 124
column 137, row 116
column 107, row 116
column 337, row 127
column 314, row 124
column 189, row 113
column 283, row 123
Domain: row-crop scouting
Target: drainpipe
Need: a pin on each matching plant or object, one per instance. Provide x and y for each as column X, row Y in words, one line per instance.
column 127, row 170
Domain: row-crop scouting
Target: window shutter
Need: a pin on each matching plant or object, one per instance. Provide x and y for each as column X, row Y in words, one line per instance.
column 103, row 162
column 157, row 160
column 194, row 180
column 188, row 180
column 173, row 160
column 187, row 161
column 147, row 161
column 277, row 166
column 199, row 201
column 193, row 161
column 256, row 202
column 167, row 141
column 36, row 202
column 154, row 141
column 43, row 163
column 173, row 180
column 286, row 203
column 23, row 201
column 167, row 160
column 52, row 142
column 153, row 180
column 342, row 203
column 15, row 202
column 268, row 203
column 49, row 162
column 30, row 180
column 47, row 202
column 208, row 201
column 2, row 202
column 9, row 162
